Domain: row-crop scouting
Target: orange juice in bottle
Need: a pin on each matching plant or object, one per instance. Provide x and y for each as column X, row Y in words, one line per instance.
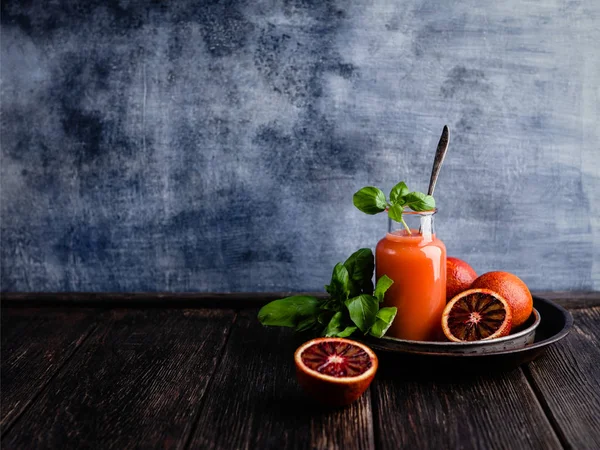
column 416, row 262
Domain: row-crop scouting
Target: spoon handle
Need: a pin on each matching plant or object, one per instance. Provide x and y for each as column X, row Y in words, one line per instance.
column 440, row 154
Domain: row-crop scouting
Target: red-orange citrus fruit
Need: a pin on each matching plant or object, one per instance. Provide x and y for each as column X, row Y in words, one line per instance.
column 513, row 289
column 335, row 371
column 475, row 315
column 459, row 276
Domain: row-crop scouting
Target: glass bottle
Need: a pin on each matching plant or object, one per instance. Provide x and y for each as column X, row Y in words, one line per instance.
column 416, row 262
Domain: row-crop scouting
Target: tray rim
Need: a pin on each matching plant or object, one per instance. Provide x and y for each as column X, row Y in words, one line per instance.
column 484, row 343
column 536, row 345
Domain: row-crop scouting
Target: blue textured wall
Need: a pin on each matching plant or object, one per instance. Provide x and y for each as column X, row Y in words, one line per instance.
column 215, row 146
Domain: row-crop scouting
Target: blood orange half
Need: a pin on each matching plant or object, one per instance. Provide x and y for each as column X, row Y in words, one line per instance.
column 476, row 314
column 335, row 371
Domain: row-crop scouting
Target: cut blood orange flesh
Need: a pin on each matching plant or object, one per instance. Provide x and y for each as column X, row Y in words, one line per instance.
column 335, row 371
column 476, row 314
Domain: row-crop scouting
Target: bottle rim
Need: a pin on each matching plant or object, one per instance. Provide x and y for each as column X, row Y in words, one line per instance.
column 431, row 212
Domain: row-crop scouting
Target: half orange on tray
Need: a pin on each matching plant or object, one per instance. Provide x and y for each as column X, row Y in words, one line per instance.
column 475, row 315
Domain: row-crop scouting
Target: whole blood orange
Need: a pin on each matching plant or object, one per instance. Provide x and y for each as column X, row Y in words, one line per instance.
column 459, row 277
column 335, row 371
column 513, row 289
column 476, row 314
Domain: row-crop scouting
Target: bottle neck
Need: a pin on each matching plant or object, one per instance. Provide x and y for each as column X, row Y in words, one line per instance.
column 420, row 225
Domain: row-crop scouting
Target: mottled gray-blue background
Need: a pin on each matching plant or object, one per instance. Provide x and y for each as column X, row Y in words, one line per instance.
column 215, row 146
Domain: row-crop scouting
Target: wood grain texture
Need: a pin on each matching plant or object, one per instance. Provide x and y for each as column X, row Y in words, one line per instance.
column 147, row 299
column 35, row 344
column 446, row 411
column 136, row 383
column 569, row 299
column 255, row 402
column 572, row 299
column 567, row 379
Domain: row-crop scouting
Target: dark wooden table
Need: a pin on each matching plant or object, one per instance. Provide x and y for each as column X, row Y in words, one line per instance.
column 127, row 371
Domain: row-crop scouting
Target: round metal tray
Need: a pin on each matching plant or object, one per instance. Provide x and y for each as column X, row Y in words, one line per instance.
column 430, row 358
column 513, row 341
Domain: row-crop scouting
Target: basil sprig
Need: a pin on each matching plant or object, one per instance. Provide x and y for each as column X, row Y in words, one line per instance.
column 371, row 200
column 352, row 307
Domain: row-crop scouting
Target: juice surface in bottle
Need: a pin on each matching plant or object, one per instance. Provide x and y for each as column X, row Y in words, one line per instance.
column 417, row 265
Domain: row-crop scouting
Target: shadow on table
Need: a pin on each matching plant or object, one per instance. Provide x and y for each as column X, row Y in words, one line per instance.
column 439, row 368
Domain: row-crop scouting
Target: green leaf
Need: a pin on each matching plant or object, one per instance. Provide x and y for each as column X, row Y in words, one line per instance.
column 395, row 212
column 324, row 317
column 306, row 324
column 331, row 305
column 363, row 310
column 288, row 312
column 370, row 200
column 339, row 288
column 360, row 266
column 347, row 332
column 398, row 192
column 417, row 201
column 383, row 284
column 358, row 261
column 383, row 321
column 335, row 325
column 336, row 328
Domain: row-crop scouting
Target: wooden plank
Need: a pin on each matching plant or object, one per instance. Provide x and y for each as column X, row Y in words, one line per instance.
column 135, row 383
column 567, row 378
column 568, row 299
column 443, row 410
column 146, row 300
column 572, row 299
column 255, row 402
column 35, row 344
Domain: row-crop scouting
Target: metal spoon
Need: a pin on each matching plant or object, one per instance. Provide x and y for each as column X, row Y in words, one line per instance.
column 440, row 154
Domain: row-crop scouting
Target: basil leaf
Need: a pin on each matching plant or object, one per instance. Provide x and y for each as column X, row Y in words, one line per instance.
column 395, row 212
column 359, row 261
column 331, row 305
column 417, row 201
column 363, row 310
column 288, row 312
column 398, row 191
column 370, row 200
column 346, row 332
column 324, row 317
column 306, row 324
column 339, row 288
column 360, row 266
column 336, row 328
column 383, row 284
column 335, row 325
column 383, row 321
